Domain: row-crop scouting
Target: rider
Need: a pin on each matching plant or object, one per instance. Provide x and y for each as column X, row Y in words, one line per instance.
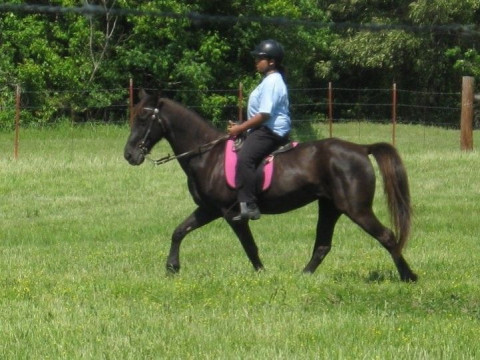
column 268, row 124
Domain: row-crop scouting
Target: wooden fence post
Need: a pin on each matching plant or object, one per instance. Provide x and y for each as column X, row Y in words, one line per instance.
column 17, row 123
column 330, row 109
column 394, row 113
column 466, row 121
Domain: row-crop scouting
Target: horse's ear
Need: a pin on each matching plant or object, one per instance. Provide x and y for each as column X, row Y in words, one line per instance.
column 142, row 94
column 159, row 102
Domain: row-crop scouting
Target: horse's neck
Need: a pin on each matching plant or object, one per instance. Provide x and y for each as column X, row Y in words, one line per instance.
column 188, row 133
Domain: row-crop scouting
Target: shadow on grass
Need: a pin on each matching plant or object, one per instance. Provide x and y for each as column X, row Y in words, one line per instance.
column 376, row 276
column 371, row 277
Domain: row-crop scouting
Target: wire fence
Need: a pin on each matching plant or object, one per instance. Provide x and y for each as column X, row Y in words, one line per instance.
column 348, row 104
column 325, row 108
column 343, row 105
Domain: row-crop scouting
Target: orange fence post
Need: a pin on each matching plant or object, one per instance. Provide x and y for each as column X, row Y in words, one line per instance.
column 330, row 109
column 240, row 103
column 394, row 113
column 130, row 103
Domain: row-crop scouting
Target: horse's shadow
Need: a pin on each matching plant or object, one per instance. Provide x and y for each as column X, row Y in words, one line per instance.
column 376, row 276
column 372, row 277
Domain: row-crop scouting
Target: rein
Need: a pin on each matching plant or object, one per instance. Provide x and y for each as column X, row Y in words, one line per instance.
column 197, row 151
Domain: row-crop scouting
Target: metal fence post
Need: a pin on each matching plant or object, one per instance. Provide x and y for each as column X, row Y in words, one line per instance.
column 130, row 102
column 330, row 109
column 17, row 123
column 394, row 113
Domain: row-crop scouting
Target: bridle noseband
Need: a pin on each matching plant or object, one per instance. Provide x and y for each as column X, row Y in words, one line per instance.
column 156, row 116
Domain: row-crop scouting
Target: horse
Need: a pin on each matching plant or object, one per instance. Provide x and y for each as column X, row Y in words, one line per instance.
column 337, row 174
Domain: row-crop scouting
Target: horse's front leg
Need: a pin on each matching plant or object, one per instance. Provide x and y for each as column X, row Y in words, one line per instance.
column 242, row 230
column 197, row 219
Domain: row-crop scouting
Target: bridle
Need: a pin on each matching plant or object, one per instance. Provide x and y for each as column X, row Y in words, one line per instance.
column 197, row 151
column 155, row 116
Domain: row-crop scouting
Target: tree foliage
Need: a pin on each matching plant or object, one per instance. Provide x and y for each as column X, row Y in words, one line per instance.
column 78, row 65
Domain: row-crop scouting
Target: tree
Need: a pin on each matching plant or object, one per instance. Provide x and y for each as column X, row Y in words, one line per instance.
column 79, row 65
column 415, row 52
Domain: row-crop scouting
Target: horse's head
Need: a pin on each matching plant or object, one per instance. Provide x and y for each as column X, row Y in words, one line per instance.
column 148, row 128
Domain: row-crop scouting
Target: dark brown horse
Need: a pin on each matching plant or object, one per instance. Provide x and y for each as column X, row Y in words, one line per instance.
column 335, row 173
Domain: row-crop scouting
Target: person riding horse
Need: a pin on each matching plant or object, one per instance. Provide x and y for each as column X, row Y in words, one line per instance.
column 335, row 173
column 268, row 124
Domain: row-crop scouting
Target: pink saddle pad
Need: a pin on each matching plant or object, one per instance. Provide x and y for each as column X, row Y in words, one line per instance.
column 231, row 166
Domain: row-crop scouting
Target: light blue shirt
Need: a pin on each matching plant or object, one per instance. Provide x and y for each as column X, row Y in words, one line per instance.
column 271, row 97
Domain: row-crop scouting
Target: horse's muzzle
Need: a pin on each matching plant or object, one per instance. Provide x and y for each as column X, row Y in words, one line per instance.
column 135, row 157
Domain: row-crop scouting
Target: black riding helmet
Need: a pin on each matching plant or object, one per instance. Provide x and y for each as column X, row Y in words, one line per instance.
column 270, row 49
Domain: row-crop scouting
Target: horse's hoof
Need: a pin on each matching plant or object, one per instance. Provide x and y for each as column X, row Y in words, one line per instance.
column 259, row 269
column 173, row 269
column 410, row 278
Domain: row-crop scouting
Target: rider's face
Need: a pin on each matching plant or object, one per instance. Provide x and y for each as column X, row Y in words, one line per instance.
column 264, row 64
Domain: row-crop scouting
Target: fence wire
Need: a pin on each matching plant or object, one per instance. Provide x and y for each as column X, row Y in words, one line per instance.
column 373, row 105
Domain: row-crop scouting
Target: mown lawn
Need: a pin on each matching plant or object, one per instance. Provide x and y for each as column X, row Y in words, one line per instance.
column 84, row 238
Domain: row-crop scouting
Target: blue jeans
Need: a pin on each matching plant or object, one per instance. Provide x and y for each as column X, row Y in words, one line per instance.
column 257, row 145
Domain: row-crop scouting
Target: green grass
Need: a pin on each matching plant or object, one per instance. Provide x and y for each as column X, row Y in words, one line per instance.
column 84, row 238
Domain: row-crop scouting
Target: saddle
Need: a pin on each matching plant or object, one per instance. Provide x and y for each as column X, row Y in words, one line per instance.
column 264, row 171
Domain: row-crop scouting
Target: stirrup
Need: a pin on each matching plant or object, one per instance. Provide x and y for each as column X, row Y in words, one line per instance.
column 248, row 212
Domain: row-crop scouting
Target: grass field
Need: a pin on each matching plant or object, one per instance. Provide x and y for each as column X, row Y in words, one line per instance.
column 84, row 238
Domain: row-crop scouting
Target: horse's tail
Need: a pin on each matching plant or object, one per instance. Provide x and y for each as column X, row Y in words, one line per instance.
column 396, row 188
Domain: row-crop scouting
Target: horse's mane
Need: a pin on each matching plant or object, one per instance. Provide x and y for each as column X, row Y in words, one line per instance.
column 187, row 115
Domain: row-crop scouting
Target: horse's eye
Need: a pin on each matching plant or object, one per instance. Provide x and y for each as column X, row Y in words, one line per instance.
column 142, row 117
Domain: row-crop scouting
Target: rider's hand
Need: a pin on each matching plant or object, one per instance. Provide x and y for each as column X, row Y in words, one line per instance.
column 233, row 128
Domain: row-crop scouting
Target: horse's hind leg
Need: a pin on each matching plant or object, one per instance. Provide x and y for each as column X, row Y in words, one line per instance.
column 327, row 218
column 369, row 222
column 197, row 219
